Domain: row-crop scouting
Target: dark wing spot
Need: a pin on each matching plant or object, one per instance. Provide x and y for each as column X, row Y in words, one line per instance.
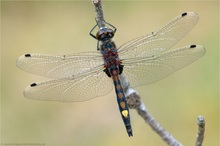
column 184, row 14
column 33, row 85
column 192, row 46
column 27, row 55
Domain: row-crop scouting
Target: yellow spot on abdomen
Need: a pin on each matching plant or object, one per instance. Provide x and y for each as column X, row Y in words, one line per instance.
column 125, row 113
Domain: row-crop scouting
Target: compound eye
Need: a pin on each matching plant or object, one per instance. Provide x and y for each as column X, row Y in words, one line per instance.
column 98, row 35
column 110, row 33
column 104, row 33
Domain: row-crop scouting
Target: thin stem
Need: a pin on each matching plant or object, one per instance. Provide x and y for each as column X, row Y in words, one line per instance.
column 201, row 130
column 99, row 13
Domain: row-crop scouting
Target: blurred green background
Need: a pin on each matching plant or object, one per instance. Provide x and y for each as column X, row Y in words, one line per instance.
column 62, row 27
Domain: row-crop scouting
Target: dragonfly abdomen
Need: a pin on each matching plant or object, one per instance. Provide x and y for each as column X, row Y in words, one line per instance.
column 113, row 68
column 122, row 103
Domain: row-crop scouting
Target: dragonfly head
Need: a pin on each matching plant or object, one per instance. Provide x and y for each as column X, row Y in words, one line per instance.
column 104, row 33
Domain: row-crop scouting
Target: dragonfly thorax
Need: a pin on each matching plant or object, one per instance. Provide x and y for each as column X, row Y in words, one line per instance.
column 111, row 59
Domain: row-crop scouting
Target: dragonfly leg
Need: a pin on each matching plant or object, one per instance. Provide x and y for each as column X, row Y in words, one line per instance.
column 90, row 33
column 115, row 29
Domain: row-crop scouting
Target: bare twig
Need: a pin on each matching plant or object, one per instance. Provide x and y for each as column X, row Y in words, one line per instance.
column 201, row 130
column 134, row 100
column 99, row 13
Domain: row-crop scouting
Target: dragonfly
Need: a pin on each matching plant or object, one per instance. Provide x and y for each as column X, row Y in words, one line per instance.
column 84, row 76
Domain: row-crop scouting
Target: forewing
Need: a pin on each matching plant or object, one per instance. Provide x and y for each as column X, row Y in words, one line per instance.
column 92, row 84
column 160, row 40
column 142, row 70
column 59, row 66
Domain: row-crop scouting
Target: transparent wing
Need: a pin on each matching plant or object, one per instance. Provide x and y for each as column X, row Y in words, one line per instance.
column 146, row 70
column 84, row 87
column 59, row 66
column 160, row 40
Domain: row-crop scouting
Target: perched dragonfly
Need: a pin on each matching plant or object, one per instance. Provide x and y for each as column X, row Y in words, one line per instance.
column 84, row 76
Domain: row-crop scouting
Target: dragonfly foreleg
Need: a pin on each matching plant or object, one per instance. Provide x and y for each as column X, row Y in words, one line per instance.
column 90, row 33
